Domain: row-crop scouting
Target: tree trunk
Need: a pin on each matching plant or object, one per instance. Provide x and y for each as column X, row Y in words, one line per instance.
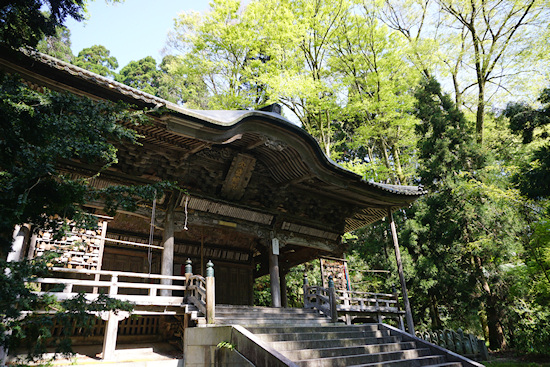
column 434, row 313
column 398, row 168
column 496, row 334
column 480, row 114
column 387, row 163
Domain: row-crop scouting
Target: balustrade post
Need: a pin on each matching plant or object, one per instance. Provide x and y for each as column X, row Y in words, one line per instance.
column 210, row 293
column 332, row 299
column 113, row 288
column 188, row 275
column 306, row 291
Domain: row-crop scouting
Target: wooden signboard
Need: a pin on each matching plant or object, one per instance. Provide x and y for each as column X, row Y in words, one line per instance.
column 339, row 271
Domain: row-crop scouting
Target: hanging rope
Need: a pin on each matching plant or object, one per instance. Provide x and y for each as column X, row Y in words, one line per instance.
column 151, row 231
column 186, row 202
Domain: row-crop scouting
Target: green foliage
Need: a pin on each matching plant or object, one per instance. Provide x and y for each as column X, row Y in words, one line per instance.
column 23, row 23
column 36, row 131
column 532, row 331
column 294, row 285
column 97, row 59
column 57, row 45
column 226, row 345
column 532, row 125
column 221, row 57
column 142, row 74
column 464, row 233
column 446, row 146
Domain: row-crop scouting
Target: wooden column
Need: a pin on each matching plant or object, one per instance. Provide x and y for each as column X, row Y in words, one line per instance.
column 408, row 313
column 284, row 297
column 167, row 266
column 210, row 294
column 274, row 278
column 109, row 340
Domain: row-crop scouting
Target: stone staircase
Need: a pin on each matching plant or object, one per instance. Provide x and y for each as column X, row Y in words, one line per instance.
column 309, row 339
column 366, row 345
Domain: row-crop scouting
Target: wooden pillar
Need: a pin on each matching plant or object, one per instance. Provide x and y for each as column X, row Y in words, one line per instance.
column 284, row 297
column 20, row 237
column 210, row 294
column 109, row 340
column 408, row 312
column 274, row 276
column 167, row 266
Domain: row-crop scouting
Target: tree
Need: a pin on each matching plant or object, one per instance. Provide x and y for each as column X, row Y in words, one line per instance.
column 530, row 123
column 23, row 23
column 36, row 131
column 220, row 52
column 467, row 228
column 298, row 43
column 142, row 74
column 377, row 115
column 97, row 59
column 58, row 45
column 499, row 32
column 496, row 39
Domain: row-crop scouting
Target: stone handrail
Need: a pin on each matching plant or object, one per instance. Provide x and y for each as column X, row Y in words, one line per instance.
column 457, row 341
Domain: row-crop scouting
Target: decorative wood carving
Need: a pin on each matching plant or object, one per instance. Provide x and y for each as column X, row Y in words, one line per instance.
column 238, row 176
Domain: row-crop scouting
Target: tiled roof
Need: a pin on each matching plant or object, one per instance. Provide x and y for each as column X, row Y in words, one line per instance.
column 225, row 118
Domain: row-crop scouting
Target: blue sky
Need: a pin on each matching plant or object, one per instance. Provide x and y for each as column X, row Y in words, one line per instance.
column 132, row 29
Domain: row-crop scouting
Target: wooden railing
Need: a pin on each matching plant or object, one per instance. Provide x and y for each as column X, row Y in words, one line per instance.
column 196, row 287
column 144, row 290
column 367, row 301
column 335, row 303
column 318, row 298
column 138, row 288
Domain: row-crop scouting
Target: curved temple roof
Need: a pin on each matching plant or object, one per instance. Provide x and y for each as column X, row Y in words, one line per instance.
column 302, row 161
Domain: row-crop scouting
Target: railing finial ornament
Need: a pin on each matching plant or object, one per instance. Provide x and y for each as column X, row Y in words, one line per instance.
column 330, row 281
column 305, row 280
column 209, row 269
column 188, row 267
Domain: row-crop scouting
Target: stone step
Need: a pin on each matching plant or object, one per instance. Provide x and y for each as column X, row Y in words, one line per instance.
column 447, row 364
column 267, row 315
column 258, row 309
column 301, row 354
column 323, row 335
column 408, row 354
column 255, row 321
column 426, row 361
column 309, row 329
column 331, row 343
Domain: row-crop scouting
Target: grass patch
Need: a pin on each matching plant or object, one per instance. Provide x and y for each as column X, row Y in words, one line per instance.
column 515, row 363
